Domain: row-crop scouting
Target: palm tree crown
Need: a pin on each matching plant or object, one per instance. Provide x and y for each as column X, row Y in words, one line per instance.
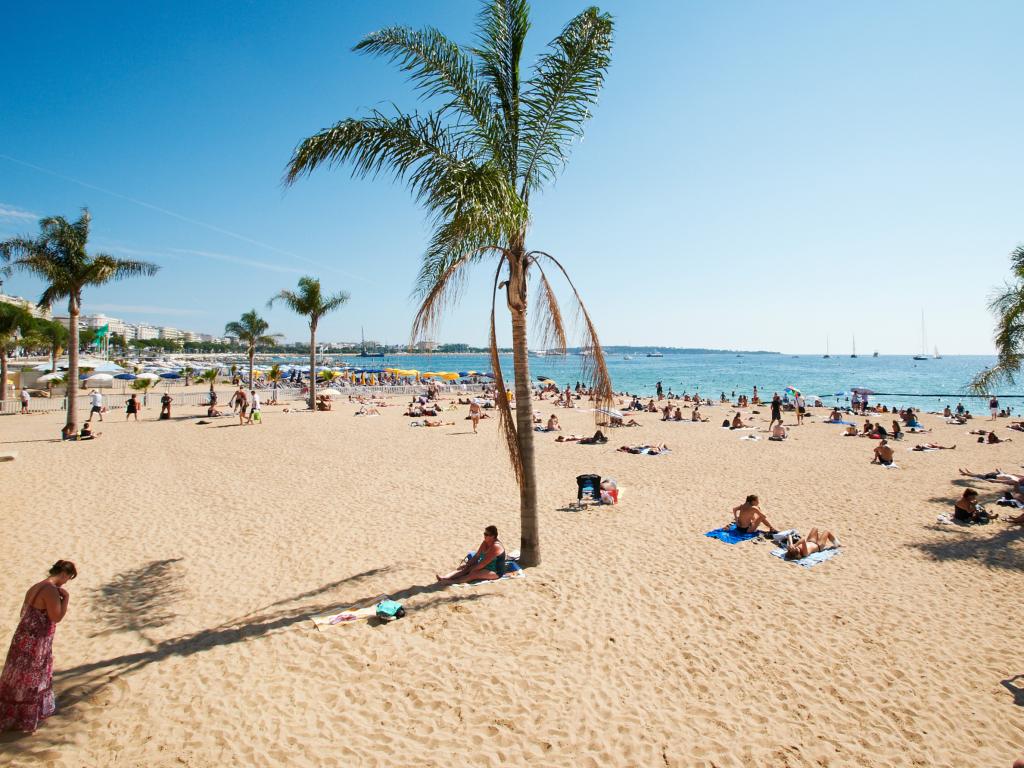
column 58, row 256
column 309, row 301
column 1008, row 307
column 251, row 329
column 474, row 161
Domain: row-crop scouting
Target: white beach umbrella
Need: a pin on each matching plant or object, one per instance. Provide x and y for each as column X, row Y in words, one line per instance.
column 100, row 378
column 148, row 375
column 51, row 377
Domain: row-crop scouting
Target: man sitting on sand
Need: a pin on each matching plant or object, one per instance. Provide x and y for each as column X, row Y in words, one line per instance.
column 737, row 422
column 883, row 454
column 488, row 562
column 816, row 541
column 748, row 517
column 835, row 417
column 695, row 415
column 553, row 425
column 779, row 432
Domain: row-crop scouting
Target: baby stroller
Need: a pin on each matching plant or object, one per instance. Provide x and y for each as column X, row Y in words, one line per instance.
column 588, row 485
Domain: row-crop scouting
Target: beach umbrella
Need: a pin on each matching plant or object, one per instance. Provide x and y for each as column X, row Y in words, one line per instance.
column 862, row 390
column 44, row 366
column 125, row 376
column 108, row 367
column 793, row 390
column 169, row 375
column 610, row 412
column 51, row 377
column 149, row 375
column 100, row 378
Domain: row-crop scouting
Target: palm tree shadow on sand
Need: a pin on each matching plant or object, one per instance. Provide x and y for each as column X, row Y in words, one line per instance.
column 100, row 682
column 999, row 548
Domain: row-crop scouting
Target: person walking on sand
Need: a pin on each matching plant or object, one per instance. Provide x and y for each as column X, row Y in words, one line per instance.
column 165, row 407
column 96, row 403
column 254, row 409
column 239, row 400
column 131, row 408
column 25, row 398
column 776, row 409
column 993, row 407
column 801, row 406
column 474, row 414
column 26, row 684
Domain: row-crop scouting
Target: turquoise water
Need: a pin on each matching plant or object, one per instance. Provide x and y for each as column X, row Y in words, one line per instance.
column 712, row 374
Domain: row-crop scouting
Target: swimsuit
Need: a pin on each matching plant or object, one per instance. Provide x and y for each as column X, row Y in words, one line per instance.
column 497, row 565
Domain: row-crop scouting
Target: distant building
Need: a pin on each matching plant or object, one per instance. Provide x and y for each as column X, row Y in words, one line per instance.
column 173, row 334
column 425, row 346
column 33, row 309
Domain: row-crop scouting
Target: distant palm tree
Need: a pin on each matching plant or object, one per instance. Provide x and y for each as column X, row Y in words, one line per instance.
column 58, row 257
column 310, row 302
column 209, row 376
column 55, row 336
column 251, row 329
column 474, row 163
column 274, row 376
column 1008, row 307
column 15, row 323
column 188, row 372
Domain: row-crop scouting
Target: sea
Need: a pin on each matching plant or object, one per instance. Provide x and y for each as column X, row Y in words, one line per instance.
column 896, row 379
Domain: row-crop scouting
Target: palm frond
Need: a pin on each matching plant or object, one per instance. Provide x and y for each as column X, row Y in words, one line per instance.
column 506, row 421
column 501, row 33
column 594, row 367
column 439, row 68
column 559, row 96
column 549, row 328
column 1008, row 307
column 1017, row 262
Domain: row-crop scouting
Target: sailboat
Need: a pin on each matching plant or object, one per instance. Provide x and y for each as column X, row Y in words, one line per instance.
column 826, row 355
column 924, row 344
column 854, row 354
column 937, row 355
column 362, row 347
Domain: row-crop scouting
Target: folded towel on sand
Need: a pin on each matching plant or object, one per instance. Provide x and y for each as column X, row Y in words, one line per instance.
column 811, row 560
column 730, row 535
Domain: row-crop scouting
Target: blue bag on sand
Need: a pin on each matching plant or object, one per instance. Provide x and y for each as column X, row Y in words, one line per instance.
column 389, row 610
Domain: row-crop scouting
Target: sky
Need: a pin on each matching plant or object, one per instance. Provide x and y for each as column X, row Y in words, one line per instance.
column 755, row 176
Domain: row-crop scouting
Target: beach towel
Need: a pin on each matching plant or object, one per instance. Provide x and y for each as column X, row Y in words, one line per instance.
column 847, row 423
column 889, row 466
column 807, row 562
column 351, row 615
column 513, row 572
column 730, row 535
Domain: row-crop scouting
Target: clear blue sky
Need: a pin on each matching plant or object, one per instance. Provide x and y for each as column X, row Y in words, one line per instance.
column 757, row 175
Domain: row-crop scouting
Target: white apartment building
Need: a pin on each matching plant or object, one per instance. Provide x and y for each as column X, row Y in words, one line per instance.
column 144, row 332
column 167, row 332
column 33, row 309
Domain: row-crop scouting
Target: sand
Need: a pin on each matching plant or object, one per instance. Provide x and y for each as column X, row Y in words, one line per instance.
column 204, row 550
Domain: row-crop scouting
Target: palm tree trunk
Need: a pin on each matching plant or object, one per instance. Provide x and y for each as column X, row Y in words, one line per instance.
column 3, row 376
column 252, row 357
column 529, row 555
column 312, row 367
column 72, row 383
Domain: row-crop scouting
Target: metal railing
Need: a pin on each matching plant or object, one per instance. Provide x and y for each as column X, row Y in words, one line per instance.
column 114, row 401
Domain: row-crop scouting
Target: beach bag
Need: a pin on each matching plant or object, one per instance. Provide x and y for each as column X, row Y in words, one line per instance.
column 389, row 610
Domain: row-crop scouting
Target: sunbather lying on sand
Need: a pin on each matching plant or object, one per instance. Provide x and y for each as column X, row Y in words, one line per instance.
column 816, row 541
column 650, row 450
column 933, row 447
column 567, row 438
column 488, row 562
column 996, row 477
column 618, row 421
column 597, row 439
column 748, row 516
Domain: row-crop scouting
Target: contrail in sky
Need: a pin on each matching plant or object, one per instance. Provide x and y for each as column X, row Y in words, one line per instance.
column 186, row 219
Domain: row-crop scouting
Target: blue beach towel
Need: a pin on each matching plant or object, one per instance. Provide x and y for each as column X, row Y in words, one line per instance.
column 730, row 535
column 847, row 423
column 811, row 560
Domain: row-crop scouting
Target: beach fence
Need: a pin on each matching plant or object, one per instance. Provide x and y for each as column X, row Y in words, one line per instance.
column 115, row 401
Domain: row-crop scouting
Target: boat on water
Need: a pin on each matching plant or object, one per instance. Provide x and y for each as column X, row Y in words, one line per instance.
column 826, row 356
column 875, row 353
column 924, row 343
column 854, row 353
column 937, row 355
column 655, row 353
column 362, row 347
column 627, row 357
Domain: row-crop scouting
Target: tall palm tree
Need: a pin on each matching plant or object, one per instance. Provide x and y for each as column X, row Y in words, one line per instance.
column 58, row 256
column 1008, row 307
column 251, row 329
column 15, row 324
column 474, row 162
column 310, row 302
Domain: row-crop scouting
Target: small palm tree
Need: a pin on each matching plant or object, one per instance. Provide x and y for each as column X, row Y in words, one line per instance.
column 474, row 162
column 252, row 330
column 274, row 376
column 55, row 335
column 58, row 256
column 143, row 385
column 1008, row 307
column 310, row 302
column 209, row 376
column 15, row 323
column 188, row 372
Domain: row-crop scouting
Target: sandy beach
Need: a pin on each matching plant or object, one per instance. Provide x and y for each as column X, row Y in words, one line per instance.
column 203, row 551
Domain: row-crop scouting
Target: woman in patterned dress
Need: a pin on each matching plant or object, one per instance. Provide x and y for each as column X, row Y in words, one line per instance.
column 26, row 685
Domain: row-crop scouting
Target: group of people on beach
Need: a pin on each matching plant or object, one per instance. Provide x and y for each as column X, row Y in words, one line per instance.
column 749, row 518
